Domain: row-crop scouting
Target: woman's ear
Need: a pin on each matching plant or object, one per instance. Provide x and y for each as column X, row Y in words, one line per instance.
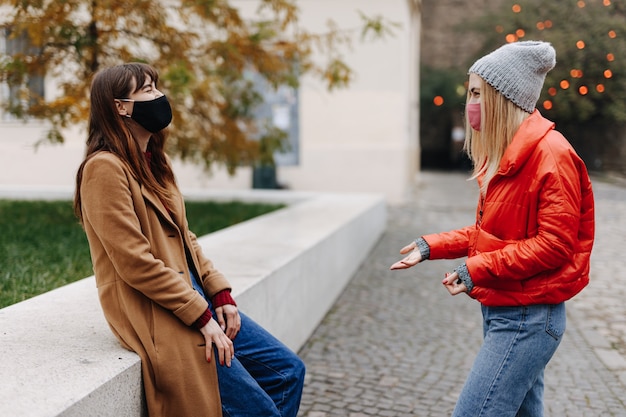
column 121, row 108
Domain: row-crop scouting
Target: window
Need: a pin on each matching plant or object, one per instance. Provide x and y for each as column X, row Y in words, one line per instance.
column 33, row 86
column 280, row 108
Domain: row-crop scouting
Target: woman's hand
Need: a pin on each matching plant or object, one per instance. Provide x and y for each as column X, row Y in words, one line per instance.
column 214, row 335
column 412, row 259
column 453, row 284
column 229, row 320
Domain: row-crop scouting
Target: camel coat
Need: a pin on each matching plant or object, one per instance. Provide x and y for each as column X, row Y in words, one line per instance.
column 138, row 254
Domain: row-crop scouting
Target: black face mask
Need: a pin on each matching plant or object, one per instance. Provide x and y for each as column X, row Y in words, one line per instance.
column 153, row 115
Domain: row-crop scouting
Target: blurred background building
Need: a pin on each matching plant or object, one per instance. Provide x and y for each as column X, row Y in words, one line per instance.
column 360, row 139
column 404, row 110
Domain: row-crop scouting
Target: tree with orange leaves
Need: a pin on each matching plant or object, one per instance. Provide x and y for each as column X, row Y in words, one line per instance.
column 203, row 49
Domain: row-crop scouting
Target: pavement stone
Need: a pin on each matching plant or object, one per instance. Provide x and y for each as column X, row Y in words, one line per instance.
column 397, row 344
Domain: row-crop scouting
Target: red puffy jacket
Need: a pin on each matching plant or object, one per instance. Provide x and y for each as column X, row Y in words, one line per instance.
column 534, row 229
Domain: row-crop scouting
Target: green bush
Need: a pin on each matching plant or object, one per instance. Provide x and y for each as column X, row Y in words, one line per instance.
column 588, row 38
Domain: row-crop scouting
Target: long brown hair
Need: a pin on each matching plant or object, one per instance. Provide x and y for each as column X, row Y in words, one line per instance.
column 500, row 120
column 109, row 132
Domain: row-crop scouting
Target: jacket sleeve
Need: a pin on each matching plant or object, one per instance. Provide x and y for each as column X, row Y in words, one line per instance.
column 555, row 240
column 450, row 245
column 108, row 207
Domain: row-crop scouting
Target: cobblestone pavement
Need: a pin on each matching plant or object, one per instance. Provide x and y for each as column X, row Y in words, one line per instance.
column 396, row 344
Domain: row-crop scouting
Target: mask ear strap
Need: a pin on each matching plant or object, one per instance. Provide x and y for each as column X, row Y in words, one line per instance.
column 121, row 109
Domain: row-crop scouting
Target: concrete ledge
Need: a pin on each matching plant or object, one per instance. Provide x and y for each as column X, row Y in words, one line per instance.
column 59, row 357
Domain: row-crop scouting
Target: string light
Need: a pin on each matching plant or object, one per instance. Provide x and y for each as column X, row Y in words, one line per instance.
column 574, row 73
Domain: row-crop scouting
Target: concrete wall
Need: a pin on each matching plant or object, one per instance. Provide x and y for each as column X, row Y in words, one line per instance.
column 59, row 357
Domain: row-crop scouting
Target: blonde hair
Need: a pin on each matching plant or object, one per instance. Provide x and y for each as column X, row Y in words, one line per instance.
column 500, row 120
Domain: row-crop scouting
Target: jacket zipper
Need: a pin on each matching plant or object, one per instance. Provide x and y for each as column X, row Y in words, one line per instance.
column 480, row 212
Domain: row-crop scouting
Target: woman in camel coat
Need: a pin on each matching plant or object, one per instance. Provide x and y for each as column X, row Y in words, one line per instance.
column 161, row 297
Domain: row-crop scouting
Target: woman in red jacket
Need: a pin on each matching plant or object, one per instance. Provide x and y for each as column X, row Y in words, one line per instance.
column 529, row 250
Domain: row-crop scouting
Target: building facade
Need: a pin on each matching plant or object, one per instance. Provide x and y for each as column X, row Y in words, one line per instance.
column 360, row 139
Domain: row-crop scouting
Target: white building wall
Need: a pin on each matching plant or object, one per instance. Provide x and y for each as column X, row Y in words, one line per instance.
column 359, row 139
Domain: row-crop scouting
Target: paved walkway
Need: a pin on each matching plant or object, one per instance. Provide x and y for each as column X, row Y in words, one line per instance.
column 396, row 344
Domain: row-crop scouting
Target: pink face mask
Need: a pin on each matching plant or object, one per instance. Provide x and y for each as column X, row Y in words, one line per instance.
column 473, row 115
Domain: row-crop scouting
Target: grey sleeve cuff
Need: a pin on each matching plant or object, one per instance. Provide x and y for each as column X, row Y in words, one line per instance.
column 464, row 276
column 423, row 247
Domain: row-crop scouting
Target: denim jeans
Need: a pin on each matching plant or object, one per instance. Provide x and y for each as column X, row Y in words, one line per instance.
column 265, row 379
column 506, row 379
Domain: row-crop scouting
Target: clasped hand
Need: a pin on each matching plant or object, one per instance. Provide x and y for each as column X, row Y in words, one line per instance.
column 221, row 333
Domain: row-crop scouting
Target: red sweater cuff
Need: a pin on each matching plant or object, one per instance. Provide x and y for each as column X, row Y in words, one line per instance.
column 203, row 320
column 222, row 298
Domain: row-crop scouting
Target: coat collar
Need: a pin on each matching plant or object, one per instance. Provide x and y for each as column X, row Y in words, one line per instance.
column 528, row 135
column 169, row 215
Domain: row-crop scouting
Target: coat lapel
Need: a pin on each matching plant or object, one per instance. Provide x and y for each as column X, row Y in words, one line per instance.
column 158, row 205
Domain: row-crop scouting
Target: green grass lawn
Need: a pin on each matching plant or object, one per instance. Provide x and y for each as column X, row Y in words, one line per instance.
column 43, row 247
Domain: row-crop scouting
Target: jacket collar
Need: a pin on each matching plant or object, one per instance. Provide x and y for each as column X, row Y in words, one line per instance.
column 525, row 140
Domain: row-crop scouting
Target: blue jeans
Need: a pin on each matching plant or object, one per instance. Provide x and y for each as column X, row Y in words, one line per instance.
column 506, row 379
column 265, row 379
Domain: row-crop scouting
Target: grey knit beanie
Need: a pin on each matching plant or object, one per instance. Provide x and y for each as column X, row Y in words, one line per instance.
column 517, row 70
